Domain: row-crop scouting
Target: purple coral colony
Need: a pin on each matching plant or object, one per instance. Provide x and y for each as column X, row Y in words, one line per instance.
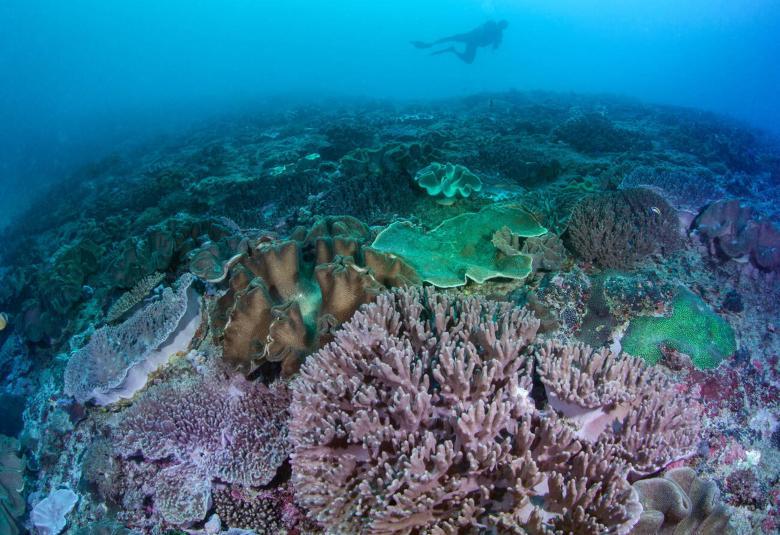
column 508, row 314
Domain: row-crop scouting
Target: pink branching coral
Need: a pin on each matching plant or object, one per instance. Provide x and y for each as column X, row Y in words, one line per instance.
column 197, row 431
column 620, row 401
column 422, row 417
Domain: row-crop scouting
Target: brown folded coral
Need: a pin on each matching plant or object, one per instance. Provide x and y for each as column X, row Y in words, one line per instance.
column 680, row 502
column 285, row 297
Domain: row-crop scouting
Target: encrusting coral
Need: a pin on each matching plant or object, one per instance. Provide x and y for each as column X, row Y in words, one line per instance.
column 421, row 417
column 285, row 297
column 681, row 503
column 178, row 437
column 692, row 328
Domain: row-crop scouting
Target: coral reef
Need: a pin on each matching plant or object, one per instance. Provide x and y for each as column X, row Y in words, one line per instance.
column 681, row 502
column 460, row 249
column 734, row 230
column 238, row 202
column 447, row 180
column 48, row 515
column 691, row 328
column 593, row 133
column 12, row 503
column 178, row 437
column 421, row 416
column 618, row 229
column 285, row 297
column 115, row 362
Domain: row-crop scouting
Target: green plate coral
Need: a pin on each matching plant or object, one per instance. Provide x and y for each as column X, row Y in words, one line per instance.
column 460, row 248
column 692, row 329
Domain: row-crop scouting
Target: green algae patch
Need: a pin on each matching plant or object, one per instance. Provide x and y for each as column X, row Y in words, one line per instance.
column 693, row 328
column 460, row 248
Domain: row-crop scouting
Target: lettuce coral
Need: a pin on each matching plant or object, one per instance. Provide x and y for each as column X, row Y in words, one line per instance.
column 422, row 417
column 447, row 180
column 692, row 329
column 461, row 248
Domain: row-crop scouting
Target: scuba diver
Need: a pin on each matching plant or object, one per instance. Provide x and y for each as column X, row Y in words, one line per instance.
column 488, row 34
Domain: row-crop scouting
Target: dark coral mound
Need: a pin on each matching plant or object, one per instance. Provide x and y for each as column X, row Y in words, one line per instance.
column 594, row 133
column 618, row 229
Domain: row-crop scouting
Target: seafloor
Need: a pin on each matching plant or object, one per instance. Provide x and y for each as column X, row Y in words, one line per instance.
column 179, row 349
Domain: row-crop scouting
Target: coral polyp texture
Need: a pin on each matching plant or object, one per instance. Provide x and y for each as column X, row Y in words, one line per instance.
column 460, row 249
column 620, row 228
column 116, row 361
column 179, row 437
column 692, row 328
column 421, row 417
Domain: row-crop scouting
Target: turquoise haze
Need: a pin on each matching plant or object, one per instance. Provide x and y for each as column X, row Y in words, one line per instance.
column 81, row 77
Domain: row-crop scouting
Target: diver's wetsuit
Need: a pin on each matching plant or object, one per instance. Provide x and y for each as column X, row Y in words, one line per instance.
column 488, row 34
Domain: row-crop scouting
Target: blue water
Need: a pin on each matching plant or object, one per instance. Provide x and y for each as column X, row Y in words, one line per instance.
column 80, row 78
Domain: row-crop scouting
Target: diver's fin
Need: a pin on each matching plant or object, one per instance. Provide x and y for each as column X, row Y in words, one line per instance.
column 420, row 44
column 444, row 51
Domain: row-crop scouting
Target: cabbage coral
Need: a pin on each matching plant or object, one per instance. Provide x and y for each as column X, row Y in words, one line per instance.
column 422, row 417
